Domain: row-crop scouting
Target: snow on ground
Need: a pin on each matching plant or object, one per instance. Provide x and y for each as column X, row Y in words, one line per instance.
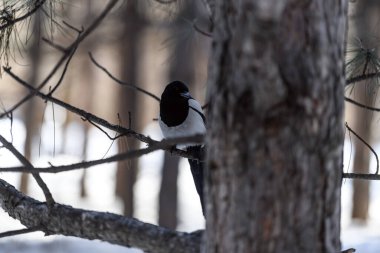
column 100, row 185
column 61, row 244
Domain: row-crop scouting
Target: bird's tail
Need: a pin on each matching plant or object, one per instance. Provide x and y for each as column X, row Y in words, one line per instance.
column 197, row 170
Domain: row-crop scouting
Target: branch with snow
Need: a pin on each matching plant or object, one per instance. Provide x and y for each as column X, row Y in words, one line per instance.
column 109, row 227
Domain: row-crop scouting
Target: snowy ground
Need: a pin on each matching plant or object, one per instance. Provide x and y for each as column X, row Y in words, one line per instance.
column 100, row 184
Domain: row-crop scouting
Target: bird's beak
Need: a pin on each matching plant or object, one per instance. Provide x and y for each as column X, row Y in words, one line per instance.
column 186, row 95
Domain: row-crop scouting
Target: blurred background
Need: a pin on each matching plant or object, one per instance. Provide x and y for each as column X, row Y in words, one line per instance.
column 149, row 44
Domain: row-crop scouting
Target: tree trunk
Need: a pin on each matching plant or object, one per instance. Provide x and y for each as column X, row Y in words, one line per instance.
column 167, row 213
column 363, row 119
column 32, row 115
column 128, row 101
column 275, row 126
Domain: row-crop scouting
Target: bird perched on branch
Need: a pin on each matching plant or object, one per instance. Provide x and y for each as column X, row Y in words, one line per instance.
column 180, row 116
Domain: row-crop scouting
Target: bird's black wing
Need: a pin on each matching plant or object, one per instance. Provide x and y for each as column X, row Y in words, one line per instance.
column 197, row 171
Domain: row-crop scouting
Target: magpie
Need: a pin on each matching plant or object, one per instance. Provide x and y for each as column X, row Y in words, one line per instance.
column 180, row 116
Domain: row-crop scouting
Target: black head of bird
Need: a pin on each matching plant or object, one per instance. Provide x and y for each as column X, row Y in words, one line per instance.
column 174, row 106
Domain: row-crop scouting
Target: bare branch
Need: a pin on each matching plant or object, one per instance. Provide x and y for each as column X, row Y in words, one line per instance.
column 68, row 50
column 165, row 144
column 365, row 143
column 54, row 45
column 351, row 250
column 361, row 176
column 49, row 198
column 362, row 78
column 80, row 112
column 93, row 118
column 205, row 33
column 71, row 54
column 79, row 31
column 361, row 105
column 112, row 228
column 19, row 231
column 121, row 82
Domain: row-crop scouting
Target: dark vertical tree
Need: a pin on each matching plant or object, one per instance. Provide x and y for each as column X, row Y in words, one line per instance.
column 131, row 23
column 32, row 112
column 87, row 88
column 276, row 131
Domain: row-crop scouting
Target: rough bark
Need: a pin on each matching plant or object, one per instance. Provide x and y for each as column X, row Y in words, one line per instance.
column 112, row 228
column 275, row 126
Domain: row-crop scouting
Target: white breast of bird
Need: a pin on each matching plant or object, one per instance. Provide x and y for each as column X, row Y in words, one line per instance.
column 193, row 125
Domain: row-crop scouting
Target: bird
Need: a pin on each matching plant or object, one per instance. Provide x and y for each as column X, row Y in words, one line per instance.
column 181, row 115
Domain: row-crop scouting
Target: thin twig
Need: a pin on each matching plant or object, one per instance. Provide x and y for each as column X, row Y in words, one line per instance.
column 362, row 78
column 79, row 31
column 54, row 45
column 103, row 131
column 361, row 176
column 196, row 28
column 19, row 231
column 361, row 105
column 63, row 73
column 369, row 146
column 49, row 198
column 121, row 82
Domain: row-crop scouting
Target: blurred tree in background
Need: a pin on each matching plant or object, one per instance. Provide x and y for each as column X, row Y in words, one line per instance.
column 363, row 39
